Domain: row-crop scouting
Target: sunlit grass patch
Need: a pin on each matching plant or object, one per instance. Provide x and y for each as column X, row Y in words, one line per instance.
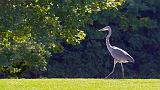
column 79, row 84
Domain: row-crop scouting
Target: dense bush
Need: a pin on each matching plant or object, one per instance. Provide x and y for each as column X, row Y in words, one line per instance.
column 135, row 29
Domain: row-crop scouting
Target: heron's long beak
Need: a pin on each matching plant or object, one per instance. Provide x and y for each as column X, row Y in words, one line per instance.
column 103, row 29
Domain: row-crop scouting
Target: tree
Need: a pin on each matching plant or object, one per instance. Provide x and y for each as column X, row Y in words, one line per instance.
column 31, row 31
column 135, row 29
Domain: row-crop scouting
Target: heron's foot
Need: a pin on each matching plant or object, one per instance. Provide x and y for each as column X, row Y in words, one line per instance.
column 107, row 76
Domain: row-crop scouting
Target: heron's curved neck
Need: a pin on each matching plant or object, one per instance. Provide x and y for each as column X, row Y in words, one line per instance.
column 107, row 40
column 109, row 34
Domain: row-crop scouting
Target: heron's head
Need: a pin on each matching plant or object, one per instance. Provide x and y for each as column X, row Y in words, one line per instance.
column 106, row 28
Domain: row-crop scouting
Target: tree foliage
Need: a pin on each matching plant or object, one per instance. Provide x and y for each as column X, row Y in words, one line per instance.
column 32, row 30
column 135, row 29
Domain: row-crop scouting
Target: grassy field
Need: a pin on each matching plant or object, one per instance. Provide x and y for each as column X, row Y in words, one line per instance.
column 79, row 84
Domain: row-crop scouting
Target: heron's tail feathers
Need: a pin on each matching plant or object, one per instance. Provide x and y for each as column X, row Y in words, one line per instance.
column 130, row 59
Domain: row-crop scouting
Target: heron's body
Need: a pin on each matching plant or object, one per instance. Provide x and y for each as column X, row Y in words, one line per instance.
column 119, row 55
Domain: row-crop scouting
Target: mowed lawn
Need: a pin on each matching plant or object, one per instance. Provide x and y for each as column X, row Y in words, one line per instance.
column 79, row 84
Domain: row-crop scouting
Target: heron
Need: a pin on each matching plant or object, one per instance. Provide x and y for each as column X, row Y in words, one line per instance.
column 118, row 54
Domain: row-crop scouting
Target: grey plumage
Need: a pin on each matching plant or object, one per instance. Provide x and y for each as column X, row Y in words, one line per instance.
column 119, row 55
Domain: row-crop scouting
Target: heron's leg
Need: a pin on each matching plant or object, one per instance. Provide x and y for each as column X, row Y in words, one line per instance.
column 112, row 69
column 122, row 70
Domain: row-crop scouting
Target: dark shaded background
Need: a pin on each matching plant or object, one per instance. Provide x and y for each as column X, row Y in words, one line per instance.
column 135, row 29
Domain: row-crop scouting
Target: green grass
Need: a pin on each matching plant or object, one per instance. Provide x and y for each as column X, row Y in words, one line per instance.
column 79, row 84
